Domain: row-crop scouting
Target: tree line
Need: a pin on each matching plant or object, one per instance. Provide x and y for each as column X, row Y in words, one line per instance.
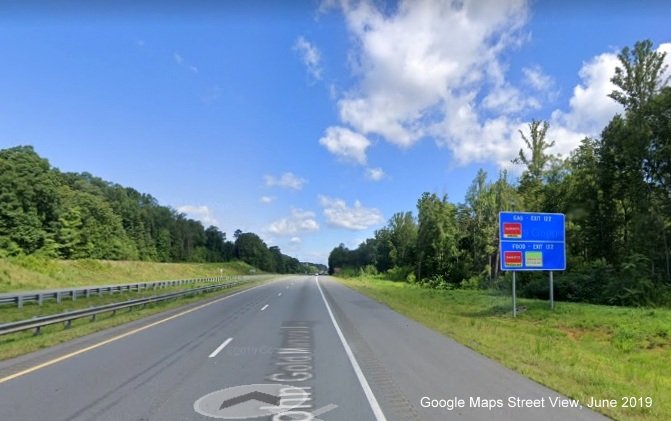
column 79, row 216
column 615, row 191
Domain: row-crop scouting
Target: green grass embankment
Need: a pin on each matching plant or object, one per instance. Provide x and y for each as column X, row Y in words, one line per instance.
column 32, row 273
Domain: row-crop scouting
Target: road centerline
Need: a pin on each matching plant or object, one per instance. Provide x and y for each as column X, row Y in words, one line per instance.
column 222, row 346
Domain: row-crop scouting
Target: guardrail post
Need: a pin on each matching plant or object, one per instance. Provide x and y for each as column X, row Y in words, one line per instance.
column 67, row 324
column 88, row 293
column 58, row 297
column 19, row 301
column 40, row 299
column 37, row 329
column 74, row 295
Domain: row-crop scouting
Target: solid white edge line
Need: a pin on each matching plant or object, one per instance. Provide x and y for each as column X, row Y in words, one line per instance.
column 264, row 307
column 222, row 346
column 374, row 405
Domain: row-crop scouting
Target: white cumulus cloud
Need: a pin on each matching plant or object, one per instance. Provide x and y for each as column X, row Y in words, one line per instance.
column 345, row 144
column 298, row 221
column 339, row 215
column 426, row 54
column 538, row 80
column 590, row 107
column 310, row 56
column 295, row 240
column 436, row 69
column 287, row 180
column 201, row 213
column 666, row 48
column 375, row 174
column 267, row 199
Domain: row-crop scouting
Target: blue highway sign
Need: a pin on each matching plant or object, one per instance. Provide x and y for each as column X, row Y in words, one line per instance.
column 532, row 241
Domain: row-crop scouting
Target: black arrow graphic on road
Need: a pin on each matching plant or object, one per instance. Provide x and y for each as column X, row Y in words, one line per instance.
column 252, row 396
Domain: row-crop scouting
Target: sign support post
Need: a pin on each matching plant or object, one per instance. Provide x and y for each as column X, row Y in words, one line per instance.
column 552, row 292
column 514, row 298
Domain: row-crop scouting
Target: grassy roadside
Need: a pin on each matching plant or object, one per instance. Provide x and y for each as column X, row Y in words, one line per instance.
column 33, row 273
column 580, row 350
column 25, row 342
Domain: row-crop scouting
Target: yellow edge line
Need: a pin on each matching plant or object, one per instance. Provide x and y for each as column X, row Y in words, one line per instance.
column 116, row 338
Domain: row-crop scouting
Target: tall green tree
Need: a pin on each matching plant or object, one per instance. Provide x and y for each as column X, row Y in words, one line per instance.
column 482, row 202
column 640, row 76
column 536, row 163
column 28, row 200
column 276, row 260
column 214, row 244
column 658, row 122
column 383, row 250
column 403, row 236
column 436, row 238
column 338, row 258
column 251, row 249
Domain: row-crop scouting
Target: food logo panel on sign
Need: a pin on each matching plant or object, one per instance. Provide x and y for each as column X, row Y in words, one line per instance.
column 533, row 259
column 512, row 258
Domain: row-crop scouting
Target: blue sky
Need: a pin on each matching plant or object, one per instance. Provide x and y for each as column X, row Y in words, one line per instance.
column 309, row 123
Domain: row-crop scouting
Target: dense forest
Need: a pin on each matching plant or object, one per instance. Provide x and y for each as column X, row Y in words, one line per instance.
column 615, row 191
column 78, row 216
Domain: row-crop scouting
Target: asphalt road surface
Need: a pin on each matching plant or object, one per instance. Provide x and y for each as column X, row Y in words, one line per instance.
column 299, row 348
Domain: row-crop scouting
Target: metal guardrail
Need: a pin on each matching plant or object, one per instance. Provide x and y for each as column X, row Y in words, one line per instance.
column 20, row 298
column 38, row 322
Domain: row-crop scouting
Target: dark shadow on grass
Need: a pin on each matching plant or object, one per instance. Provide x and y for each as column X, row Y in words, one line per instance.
column 490, row 311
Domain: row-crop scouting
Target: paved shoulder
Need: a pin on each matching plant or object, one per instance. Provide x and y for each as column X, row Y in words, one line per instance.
column 418, row 373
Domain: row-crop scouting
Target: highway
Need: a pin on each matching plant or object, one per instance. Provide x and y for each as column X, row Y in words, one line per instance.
column 298, row 348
